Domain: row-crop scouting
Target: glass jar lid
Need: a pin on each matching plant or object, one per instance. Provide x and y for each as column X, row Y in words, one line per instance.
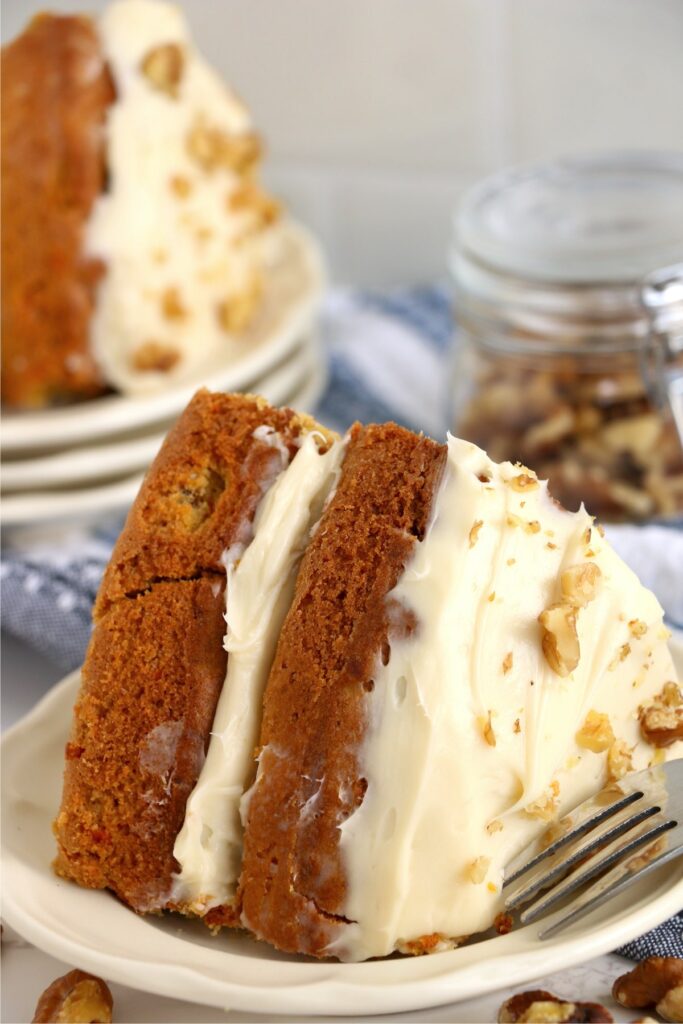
column 606, row 218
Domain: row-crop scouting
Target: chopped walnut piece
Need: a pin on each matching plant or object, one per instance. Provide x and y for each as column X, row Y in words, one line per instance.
column 661, row 723
column 507, row 662
column 637, row 627
column 181, row 185
column 487, row 730
column 529, row 527
column 540, row 1007
column 560, row 640
column 153, row 355
column 671, row 1006
column 171, row 306
column 546, row 806
column 474, row 532
column 648, row 982
column 212, row 148
column 619, row 762
column 75, row 998
column 579, row 583
column 596, row 733
column 476, row 871
column 234, row 314
column 163, row 68
column 524, row 482
column 250, row 198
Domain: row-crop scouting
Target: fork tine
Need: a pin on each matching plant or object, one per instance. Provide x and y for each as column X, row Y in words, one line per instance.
column 620, row 847
column 569, row 853
column 588, row 815
column 620, row 877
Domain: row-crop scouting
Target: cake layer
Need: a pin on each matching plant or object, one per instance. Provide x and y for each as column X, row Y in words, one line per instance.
column 153, row 674
column 476, row 737
column 259, row 592
column 200, row 495
column 183, row 227
column 293, row 883
column 56, row 91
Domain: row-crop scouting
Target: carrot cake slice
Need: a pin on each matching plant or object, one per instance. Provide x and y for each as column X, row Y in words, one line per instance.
column 425, row 660
column 137, row 239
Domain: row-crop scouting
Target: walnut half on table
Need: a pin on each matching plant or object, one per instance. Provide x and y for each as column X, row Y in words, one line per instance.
column 75, row 998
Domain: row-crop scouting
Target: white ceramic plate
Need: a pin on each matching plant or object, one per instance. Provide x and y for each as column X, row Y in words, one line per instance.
column 293, row 294
column 179, row 958
column 93, row 462
column 297, row 385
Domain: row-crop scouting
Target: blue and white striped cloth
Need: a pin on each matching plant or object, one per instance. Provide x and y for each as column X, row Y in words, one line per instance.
column 390, row 357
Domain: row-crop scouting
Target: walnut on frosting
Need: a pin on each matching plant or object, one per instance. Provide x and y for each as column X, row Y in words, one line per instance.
column 560, row 640
column 163, row 67
column 661, row 722
column 596, row 733
column 545, row 807
column 579, row 583
column 619, row 760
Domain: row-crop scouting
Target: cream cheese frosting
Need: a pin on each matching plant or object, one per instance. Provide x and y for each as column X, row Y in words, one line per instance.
column 473, row 740
column 176, row 227
column 259, row 591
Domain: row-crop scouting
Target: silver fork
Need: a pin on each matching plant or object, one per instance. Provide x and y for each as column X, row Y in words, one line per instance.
column 630, row 828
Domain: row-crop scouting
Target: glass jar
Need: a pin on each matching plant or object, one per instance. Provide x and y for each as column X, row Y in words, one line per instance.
column 569, row 300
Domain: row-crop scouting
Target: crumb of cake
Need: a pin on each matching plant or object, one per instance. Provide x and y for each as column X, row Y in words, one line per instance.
column 503, row 923
column 596, row 733
column 155, row 356
column 661, row 722
column 434, row 943
column 545, row 807
column 579, row 584
column 619, row 762
column 511, row 561
column 551, row 546
column 560, row 640
column 477, row 870
column 507, row 662
column 474, row 532
column 494, row 826
column 163, row 68
column 75, row 997
column 516, row 726
column 171, row 305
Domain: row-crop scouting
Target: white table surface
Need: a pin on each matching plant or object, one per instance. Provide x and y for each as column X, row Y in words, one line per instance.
column 26, row 971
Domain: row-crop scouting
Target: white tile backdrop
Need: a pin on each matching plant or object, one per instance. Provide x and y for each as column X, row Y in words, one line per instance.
column 379, row 112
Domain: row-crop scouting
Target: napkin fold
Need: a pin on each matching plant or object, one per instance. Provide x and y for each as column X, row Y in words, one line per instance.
column 390, row 358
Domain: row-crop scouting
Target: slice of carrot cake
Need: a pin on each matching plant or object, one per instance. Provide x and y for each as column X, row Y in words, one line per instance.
column 428, row 661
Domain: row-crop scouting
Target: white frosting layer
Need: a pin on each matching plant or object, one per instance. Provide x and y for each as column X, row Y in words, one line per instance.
column 444, row 809
column 172, row 258
column 259, row 592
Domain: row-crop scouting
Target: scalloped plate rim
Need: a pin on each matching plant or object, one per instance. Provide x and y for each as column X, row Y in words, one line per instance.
column 296, row 985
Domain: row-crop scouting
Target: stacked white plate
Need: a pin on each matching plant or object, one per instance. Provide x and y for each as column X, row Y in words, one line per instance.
column 85, row 459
